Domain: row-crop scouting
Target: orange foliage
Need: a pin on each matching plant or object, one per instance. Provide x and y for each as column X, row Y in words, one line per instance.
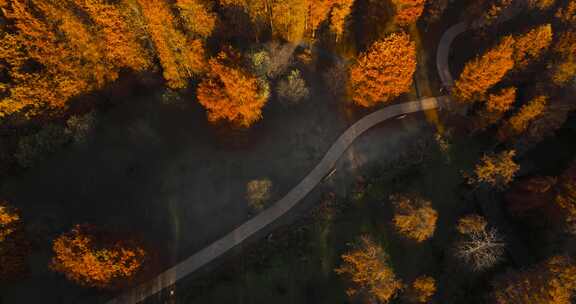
column 495, row 10
column 384, row 71
column 563, row 67
column 8, row 220
column 566, row 194
column 198, row 17
column 336, row 10
column 288, row 19
column 408, row 11
column 567, row 14
column 531, row 45
column 14, row 247
column 230, row 93
column 118, row 41
column 502, row 100
column 421, row 290
column 541, row 4
column 179, row 57
column 367, row 268
column 550, row 282
column 414, row 217
column 496, row 170
column 519, row 122
column 471, row 224
column 82, row 260
column 338, row 17
column 486, row 70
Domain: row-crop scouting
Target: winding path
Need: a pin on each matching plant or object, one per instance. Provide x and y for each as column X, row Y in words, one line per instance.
column 271, row 214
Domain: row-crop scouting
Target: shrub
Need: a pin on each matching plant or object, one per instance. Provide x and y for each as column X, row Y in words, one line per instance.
column 293, row 88
column 258, row 192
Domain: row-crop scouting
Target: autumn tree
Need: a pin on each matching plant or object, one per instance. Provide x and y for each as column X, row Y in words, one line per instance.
column 479, row 246
column 339, row 15
column 414, row 217
column 566, row 195
column 230, row 93
column 421, row 290
column 531, row 45
column 497, row 170
column 562, row 68
column 567, row 13
column 120, row 44
column 541, row 4
column 84, row 257
column 198, row 17
column 435, row 9
column 408, row 11
column 384, row 72
column 14, row 248
column 497, row 104
column 484, row 71
column 519, row 122
column 495, row 10
column 180, row 57
column 366, row 266
column 551, row 281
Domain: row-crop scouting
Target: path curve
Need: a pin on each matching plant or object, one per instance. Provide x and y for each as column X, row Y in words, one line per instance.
column 271, row 214
column 443, row 53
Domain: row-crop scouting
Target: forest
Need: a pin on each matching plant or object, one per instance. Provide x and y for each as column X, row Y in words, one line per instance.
column 135, row 133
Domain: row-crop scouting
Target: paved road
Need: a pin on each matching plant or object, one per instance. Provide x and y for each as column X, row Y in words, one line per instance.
column 443, row 53
column 271, row 214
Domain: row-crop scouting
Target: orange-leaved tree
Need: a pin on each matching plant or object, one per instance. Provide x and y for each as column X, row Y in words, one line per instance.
column 14, row 247
column 502, row 100
column 230, row 93
column 421, row 290
column 531, row 45
column 562, row 68
column 180, row 57
column 198, row 17
column 408, row 11
column 550, row 282
column 119, row 41
column 414, row 217
column 519, row 122
column 384, row 71
column 497, row 170
column 85, row 258
column 541, row 4
column 336, row 11
column 567, row 13
column 481, row 73
column 367, row 268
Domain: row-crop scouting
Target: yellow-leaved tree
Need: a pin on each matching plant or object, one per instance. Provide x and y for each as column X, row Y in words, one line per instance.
column 484, row 71
column 414, row 217
column 366, row 266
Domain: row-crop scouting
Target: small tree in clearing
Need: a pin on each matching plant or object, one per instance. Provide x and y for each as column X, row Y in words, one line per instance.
column 258, row 193
column 367, row 268
column 384, row 71
column 497, row 170
column 479, row 247
column 414, row 217
column 421, row 290
column 484, row 71
column 86, row 260
column 408, row 11
column 229, row 93
column 293, row 88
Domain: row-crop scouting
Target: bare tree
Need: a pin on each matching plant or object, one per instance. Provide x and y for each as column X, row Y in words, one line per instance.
column 480, row 247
